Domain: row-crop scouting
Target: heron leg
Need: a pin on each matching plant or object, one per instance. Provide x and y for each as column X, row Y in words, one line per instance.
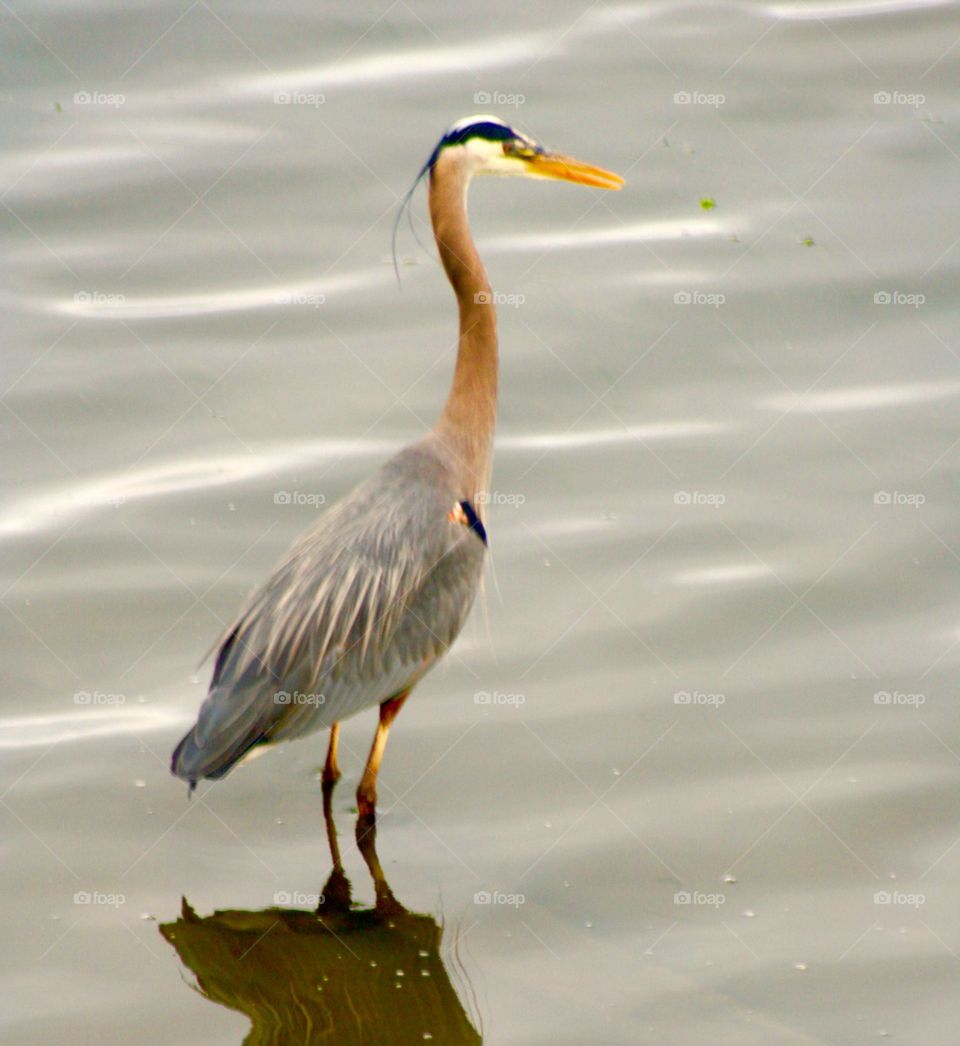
column 331, row 827
column 331, row 768
column 366, row 832
column 336, row 892
column 367, row 792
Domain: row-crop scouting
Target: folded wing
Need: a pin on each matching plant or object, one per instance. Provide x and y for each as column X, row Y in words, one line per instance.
column 362, row 606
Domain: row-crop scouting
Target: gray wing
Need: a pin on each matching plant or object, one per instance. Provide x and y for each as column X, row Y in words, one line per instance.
column 362, row 606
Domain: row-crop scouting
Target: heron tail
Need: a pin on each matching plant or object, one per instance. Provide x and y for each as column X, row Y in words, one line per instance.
column 224, row 733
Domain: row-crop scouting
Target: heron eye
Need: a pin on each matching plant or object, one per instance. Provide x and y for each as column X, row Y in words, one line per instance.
column 518, row 149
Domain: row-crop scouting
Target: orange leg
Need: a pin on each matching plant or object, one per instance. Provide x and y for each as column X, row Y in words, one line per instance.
column 331, row 768
column 367, row 792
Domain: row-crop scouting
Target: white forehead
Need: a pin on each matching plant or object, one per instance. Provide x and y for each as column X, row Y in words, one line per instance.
column 482, row 148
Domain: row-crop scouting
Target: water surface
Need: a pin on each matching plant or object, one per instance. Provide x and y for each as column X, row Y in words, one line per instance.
column 690, row 773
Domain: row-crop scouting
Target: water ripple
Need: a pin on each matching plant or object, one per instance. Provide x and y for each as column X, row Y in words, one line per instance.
column 725, row 574
column 638, row 232
column 42, row 730
column 866, row 397
column 309, row 293
column 824, row 10
column 40, row 512
column 101, row 493
column 380, row 68
column 667, row 430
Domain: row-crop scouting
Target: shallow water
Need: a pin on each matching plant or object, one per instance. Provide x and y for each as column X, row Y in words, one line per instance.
column 689, row 775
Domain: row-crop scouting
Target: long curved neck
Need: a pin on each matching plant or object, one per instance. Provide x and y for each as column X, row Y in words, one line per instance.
column 466, row 425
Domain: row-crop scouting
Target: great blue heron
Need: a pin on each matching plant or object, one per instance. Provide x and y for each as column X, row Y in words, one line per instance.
column 368, row 600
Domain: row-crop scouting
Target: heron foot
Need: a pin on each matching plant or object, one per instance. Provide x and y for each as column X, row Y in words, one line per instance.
column 386, row 904
column 336, row 893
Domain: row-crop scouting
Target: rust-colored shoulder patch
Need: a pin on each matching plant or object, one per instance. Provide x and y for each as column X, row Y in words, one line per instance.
column 466, row 515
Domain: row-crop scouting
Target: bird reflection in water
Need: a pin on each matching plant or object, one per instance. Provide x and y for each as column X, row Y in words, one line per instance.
column 341, row 974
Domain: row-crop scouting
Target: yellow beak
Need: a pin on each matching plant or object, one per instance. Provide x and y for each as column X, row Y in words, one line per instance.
column 551, row 165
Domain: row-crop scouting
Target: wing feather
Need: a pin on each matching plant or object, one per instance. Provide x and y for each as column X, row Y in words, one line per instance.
column 361, row 606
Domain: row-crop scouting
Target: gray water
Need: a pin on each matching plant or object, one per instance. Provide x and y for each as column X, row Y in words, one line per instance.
column 690, row 773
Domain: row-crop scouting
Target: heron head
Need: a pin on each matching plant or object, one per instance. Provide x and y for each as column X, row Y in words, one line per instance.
column 487, row 145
